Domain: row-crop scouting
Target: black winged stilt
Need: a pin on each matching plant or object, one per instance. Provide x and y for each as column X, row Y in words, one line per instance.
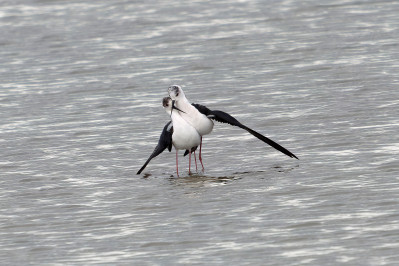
column 200, row 117
column 177, row 132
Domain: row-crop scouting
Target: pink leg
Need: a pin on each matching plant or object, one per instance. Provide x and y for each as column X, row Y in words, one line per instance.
column 200, row 158
column 189, row 163
column 196, row 168
column 177, row 165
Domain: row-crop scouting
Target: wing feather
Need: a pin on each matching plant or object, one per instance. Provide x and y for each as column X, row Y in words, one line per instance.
column 165, row 141
column 224, row 117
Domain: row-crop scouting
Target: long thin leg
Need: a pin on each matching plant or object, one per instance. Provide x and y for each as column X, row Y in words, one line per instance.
column 189, row 163
column 196, row 168
column 200, row 158
column 177, row 165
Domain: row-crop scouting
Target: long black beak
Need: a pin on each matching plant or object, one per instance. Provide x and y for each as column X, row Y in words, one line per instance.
column 174, row 107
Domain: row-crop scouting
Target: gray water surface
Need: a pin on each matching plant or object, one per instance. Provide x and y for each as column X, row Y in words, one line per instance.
column 80, row 112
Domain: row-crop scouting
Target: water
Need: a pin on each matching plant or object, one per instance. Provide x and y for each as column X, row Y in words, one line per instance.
column 81, row 89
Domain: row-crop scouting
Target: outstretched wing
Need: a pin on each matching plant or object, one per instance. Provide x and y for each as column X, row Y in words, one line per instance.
column 223, row 117
column 165, row 141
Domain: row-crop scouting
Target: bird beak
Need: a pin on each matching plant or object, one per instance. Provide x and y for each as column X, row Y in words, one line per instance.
column 174, row 107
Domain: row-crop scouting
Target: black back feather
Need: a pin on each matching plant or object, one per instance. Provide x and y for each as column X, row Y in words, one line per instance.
column 202, row 109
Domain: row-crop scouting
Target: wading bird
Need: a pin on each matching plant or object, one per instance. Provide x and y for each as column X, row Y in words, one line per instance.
column 200, row 117
column 178, row 133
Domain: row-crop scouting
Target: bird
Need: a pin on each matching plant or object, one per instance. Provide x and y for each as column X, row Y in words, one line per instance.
column 178, row 133
column 191, row 114
column 200, row 117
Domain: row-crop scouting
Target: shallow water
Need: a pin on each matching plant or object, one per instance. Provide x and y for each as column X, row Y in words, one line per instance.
column 81, row 89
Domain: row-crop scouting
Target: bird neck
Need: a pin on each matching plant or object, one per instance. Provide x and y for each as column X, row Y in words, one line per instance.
column 184, row 105
column 178, row 121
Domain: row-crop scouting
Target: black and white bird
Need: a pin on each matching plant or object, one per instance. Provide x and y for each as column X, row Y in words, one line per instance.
column 200, row 117
column 177, row 132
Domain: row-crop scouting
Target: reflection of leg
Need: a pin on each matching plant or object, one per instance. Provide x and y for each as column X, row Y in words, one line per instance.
column 196, row 168
column 200, row 158
column 177, row 165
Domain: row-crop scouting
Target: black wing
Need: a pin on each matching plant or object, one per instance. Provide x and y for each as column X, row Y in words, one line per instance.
column 165, row 141
column 223, row 117
column 193, row 149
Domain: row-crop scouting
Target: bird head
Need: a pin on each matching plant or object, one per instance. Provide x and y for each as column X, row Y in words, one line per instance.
column 169, row 105
column 176, row 92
